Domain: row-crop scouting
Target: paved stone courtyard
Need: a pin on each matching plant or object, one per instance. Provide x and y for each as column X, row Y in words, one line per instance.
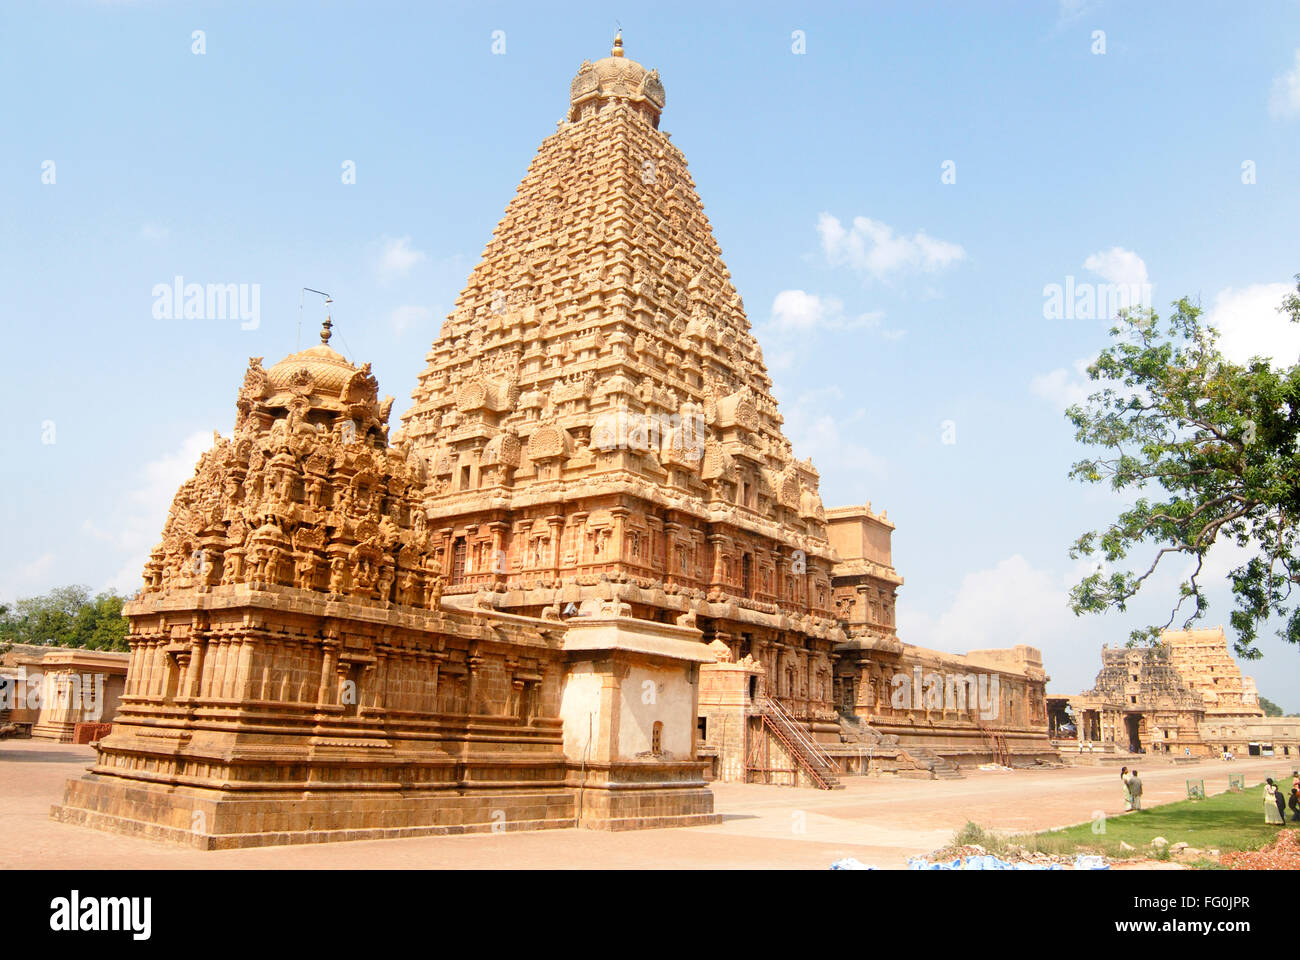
column 880, row 821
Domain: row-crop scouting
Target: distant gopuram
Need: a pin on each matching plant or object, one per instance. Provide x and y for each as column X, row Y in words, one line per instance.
column 1182, row 697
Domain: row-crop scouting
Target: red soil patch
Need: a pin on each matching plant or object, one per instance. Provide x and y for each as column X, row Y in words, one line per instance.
column 1282, row 854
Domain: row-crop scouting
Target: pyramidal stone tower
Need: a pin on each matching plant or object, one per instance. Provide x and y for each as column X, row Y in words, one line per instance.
column 599, row 428
column 597, row 416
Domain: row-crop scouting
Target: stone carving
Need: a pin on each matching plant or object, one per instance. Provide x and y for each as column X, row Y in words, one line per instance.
column 330, row 506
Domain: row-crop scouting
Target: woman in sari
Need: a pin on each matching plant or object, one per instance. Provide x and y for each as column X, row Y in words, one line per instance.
column 1128, row 793
column 1272, row 803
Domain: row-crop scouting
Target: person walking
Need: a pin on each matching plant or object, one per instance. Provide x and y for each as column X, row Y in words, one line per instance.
column 1272, row 803
column 1135, row 788
column 1128, row 794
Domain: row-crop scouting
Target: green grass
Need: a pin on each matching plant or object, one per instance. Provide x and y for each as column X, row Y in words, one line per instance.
column 974, row 835
column 1224, row 822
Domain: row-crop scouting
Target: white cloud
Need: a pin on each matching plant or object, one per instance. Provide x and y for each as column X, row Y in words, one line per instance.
column 797, row 316
column 1118, row 266
column 409, row 315
column 797, row 310
column 1068, row 12
column 1014, row 602
column 397, row 257
column 30, row 577
column 873, row 248
column 144, row 510
column 1249, row 324
column 1284, row 101
column 1001, row 606
column 1222, row 558
column 794, row 311
column 155, row 231
column 829, row 437
column 1063, row 388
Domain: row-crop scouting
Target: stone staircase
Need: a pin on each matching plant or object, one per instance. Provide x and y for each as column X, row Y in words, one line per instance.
column 926, row 764
column 815, row 762
column 940, row 768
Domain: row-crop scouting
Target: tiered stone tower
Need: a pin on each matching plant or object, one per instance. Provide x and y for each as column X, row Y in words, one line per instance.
column 596, row 414
column 1233, row 717
column 1183, row 696
column 1202, row 657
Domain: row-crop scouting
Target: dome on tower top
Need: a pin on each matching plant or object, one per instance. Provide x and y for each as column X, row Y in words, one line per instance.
column 318, row 387
column 616, row 78
column 320, row 369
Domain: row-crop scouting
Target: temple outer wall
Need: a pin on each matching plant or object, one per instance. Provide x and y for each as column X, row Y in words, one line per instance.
column 986, row 706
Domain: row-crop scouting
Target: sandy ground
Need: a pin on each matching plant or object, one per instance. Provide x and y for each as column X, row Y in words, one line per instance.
column 880, row 822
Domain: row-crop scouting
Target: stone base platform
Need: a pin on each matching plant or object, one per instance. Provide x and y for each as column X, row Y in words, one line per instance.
column 636, row 796
column 969, row 746
column 214, row 820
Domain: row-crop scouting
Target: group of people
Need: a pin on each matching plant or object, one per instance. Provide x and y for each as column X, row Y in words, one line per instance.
column 1276, row 801
column 1132, row 788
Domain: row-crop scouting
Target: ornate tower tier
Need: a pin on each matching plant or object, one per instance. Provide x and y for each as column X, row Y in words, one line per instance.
column 596, row 417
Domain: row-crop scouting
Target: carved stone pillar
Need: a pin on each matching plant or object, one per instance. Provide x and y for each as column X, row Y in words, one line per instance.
column 498, row 565
column 383, row 653
column 142, row 667
column 617, row 550
column 327, row 694
column 719, row 544
column 556, row 524
column 472, row 661
column 445, row 534
column 244, row 670
column 194, row 667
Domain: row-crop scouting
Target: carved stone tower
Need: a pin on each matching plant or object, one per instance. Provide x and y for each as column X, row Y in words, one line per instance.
column 596, row 417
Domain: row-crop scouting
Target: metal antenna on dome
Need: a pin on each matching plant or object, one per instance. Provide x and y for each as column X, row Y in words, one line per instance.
column 328, row 300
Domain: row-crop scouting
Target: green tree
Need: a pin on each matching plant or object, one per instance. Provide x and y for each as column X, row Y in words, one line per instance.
column 1208, row 448
column 110, row 628
column 1270, row 708
column 66, row 616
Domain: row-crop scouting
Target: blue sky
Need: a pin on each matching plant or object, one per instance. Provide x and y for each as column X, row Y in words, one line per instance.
column 897, row 311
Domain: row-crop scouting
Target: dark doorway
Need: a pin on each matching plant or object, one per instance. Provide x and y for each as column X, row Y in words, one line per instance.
column 458, row 552
column 1132, row 724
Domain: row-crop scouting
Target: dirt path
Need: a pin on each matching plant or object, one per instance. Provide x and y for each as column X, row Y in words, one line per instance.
column 880, row 822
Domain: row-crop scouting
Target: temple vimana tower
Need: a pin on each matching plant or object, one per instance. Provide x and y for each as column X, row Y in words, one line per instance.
column 586, row 575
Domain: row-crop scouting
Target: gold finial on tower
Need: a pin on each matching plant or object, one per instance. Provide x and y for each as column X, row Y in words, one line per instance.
column 618, row 45
column 325, row 330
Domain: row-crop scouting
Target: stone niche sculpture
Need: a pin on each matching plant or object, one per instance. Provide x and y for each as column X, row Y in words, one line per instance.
column 295, row 675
